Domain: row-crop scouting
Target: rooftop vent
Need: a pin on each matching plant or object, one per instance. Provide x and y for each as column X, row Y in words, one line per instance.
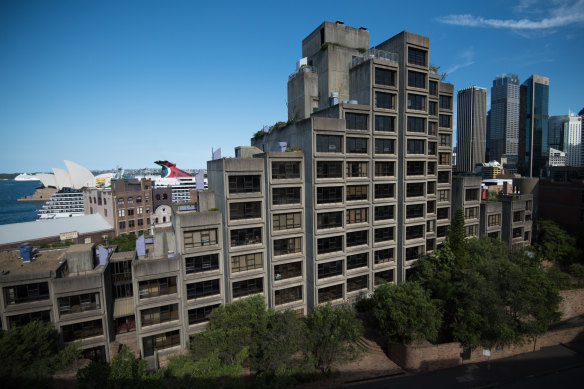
column 363, row 28
column 340, row 22
column 25, row 252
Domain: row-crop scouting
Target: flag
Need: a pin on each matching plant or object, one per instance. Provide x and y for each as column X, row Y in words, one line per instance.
column 200, row 180
column 217, row 154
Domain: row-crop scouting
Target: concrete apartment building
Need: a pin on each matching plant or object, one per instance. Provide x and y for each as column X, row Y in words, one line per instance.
column 471, row 128
column 466, row 194
column 377, row 150
column 132, row 201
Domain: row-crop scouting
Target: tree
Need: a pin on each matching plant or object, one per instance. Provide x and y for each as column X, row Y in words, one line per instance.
column 457, row 239
column 555, row 244
column 30, row 354
column 405, row 313
column 332, row 335
column 125, row 242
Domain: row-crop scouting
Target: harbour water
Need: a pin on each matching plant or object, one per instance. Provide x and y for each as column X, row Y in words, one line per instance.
column 12, row 211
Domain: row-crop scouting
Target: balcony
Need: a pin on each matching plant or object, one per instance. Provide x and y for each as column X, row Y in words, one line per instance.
column 374, row 54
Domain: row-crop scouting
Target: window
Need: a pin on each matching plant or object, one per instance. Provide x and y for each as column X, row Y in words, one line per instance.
column 517, row 216
column 357, row 145
column 285, row 170
column 329, row 194
column 414, row 252
column 78, row 331
column 384, row 77
column 201, row 315
column 444, row 121
column 131, row 223
column 382, row 256
column 356, row 192
column 121, row 201
column 471, row 230
column 287, row 270
column 289, row 295
column 246, row 262
column 416, row 124
column 432, row 148
column 246, row 210
column 446, row 102
column 416, row 79
column 122, row 225
column 247, row 287
column 415, row 232
column 203, row 289
column 330, row 269
column 443, row 213
column 433, row 88
column 165, row 196
column 286, row 221
column 329, row 169
column 384, row 146
column 330, row 293
column 159, row 315
column 130, row 200
column 431, row 206
column 285, row 196
column 157, row 287
column 444, row 177
column 358, row 215
column 415, row 189
column 357, row 238
column 444, row 159
column 384, row 169
column 287, row 246
column 385, row 212
column 383, row 234
column 384, row 100
column 140, row 222
column 244, row 184
column 139, row 210
column 471, row 195
column 431, row 187
column 414, row 211
column 146, row 199
column 494, row 220
column 121, row 212
column 383, row 277
column 356, row 121
column 384, row 191
column 330, row 244
column 384, row 123
column 160, row 342
column 130, row 211
column 246, row 236
column 432, row 128
column 329, row 144
column 202, row 263
column 417, row 102
column 431, row 168
column 416, row 56
column 200, row 238
column 357, row 169
column 493, row 235
column 442, row 231
column 138, row 199
column 25, row 318
column 357, row 283
column 432, row 108
column 79, row 303
column 416, row 146
column 357, row 260
column 329, row 220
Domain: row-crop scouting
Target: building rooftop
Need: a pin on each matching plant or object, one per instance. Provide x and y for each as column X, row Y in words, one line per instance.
column 23, row 232
column 44, row 261
column 123, row 256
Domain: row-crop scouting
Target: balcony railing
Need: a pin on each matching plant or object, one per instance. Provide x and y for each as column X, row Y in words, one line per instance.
column 303, row 69
column 374, row 53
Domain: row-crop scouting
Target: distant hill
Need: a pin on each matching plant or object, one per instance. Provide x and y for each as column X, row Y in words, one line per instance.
column 8, row 176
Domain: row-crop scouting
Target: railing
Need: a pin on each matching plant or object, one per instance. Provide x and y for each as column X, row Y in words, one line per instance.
column 303, row 69
column 374, row 53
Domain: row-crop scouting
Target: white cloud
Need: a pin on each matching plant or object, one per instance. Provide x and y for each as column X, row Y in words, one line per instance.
column 464, row 59
column 568, row 12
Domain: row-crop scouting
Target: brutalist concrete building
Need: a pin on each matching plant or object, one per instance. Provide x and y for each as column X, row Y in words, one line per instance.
column 375, row 127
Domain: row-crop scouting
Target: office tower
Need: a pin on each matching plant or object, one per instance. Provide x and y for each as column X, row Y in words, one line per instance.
column 533, row 127
column 565, row 133
column 471, row 127
column 504, row 117
column 377, row 162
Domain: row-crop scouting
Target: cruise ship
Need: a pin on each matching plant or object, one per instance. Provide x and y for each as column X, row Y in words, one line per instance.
column 66, row 202
column 180, row 181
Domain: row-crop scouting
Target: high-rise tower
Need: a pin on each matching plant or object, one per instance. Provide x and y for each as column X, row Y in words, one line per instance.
column 471, row 128
column 504, row 117
column 533, row 126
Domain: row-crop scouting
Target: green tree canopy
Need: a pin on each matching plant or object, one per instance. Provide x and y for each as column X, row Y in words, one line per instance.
column 457, row 238
column 555, row 244
column 405, row 313
column 332, row 335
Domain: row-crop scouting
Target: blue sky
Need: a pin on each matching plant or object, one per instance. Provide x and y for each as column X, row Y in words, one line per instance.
column 107, row 83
